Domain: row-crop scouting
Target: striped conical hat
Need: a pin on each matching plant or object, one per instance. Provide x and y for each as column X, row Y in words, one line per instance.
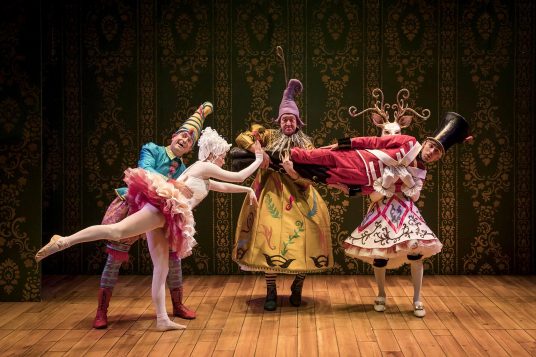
column 194, row 124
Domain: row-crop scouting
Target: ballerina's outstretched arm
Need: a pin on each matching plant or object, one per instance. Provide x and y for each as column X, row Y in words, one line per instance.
column 232, row 188
column 206, row 170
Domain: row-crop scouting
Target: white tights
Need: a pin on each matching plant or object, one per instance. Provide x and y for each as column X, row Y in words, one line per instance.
column 148, row 220
column 379, row 274
column 159, row 250
column 417, row 270
column 145, row 220
column 416, row 277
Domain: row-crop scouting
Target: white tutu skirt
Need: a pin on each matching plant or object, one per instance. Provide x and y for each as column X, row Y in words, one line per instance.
column 392, row 229
column 147, row 187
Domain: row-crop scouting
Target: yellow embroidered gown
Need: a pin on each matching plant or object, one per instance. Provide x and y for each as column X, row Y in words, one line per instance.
column 289, row 230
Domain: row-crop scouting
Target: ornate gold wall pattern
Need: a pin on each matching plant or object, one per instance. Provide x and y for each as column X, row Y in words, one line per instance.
column 147, row 63
column 110, row 50
column 147, row 100
column 73, row 131
column 333, row 36
column 20, row 155
column 258, row 30
column 184, row 37
column 185, row 41
column 110, row 47
column 223, row 234
column 52, row 165
column 485, row 38
column 372, row 18
column 447, row 166
column 410, row 39
column 297, row 41
column 524, row 108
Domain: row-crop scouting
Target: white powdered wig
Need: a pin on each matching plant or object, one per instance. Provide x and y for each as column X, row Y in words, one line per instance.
column 211, row 142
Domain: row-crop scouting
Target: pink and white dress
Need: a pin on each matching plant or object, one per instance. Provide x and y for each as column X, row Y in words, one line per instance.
column 148, row 187
column 392, row 229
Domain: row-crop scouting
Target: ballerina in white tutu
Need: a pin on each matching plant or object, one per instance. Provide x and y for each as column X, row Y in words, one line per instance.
column 162, row 209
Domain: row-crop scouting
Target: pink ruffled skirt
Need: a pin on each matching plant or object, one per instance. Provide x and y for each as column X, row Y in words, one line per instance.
column 392, row 230
column 146, row 187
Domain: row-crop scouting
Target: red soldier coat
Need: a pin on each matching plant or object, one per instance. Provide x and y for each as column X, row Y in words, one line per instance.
column 361, row 165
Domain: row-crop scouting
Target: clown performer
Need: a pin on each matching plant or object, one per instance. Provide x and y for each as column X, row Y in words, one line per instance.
column 167, row 161
column 162, row 207
column 391, row 170
column 289, row 231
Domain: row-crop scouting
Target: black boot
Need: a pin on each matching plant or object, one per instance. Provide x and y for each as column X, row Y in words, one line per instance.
column 379, row 263
column 414, row 256
column 270, row 304
column 296, row 292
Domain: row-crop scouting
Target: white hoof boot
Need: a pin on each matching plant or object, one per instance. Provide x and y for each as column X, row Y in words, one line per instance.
column 419, row 310
column 167, row 325
column 379, row 304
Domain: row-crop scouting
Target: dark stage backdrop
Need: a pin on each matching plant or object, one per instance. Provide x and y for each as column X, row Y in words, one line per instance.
column 83, row 84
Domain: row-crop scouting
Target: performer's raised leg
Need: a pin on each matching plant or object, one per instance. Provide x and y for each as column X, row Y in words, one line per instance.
column 146, row 219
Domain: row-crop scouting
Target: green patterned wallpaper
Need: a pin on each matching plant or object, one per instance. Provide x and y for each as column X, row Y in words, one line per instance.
column 113, row 75
column 20, row 152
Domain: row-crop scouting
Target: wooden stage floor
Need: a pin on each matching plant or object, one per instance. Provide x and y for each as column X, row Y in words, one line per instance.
column 466, row 315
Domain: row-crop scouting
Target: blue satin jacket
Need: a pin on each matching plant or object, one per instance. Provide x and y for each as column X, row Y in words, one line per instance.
column 157, row 159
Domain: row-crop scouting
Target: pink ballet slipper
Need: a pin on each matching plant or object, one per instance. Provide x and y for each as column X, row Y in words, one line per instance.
column 52, row 247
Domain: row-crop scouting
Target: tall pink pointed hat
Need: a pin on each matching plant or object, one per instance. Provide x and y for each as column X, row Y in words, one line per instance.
column 288, row 105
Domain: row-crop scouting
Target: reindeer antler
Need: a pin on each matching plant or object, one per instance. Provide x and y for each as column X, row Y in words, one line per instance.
column 401, row 107
column 380, row 114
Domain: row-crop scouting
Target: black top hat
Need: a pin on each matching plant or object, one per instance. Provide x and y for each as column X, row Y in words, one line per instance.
column 453, row 129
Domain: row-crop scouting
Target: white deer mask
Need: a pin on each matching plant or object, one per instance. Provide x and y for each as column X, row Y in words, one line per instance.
column 402, row 113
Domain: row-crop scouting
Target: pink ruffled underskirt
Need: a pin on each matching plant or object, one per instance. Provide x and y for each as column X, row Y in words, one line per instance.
column 145, row 187
column 397, row 253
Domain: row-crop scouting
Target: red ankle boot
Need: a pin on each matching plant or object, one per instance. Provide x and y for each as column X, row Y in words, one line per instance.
column 101, row 318
column 178, row 308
